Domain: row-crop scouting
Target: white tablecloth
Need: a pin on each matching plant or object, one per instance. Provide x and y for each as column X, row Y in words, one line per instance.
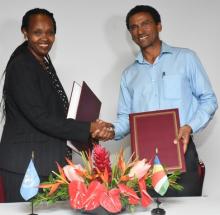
column 173, row 206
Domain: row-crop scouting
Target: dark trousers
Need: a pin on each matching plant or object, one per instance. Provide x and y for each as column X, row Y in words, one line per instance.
column 12, row 183
column 190, row 180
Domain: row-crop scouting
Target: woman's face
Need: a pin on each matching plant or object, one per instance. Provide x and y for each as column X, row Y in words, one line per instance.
column 40, row 35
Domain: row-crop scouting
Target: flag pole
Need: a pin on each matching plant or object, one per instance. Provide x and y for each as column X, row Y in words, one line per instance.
column 157, row 210
column 32, row 155
column 32, row 208
column 156, row 151
column 32, row 202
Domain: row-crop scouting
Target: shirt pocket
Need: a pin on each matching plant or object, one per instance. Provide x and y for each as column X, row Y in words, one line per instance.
column 172, row 86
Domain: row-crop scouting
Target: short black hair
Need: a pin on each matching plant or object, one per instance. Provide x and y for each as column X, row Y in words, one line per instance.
column 37, row 11
column 143, row 8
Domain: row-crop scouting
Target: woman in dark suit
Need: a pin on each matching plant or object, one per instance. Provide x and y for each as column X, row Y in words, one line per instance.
column 35, row 107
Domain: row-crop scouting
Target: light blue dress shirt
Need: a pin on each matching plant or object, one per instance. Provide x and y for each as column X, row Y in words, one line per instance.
column 176, row 79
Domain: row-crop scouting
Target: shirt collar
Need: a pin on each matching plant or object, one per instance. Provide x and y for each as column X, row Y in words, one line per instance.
column 164, row 50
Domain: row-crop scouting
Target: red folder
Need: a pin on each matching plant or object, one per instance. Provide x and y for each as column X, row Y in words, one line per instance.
column 89, row 105
column 157, row 129
column 88, row 109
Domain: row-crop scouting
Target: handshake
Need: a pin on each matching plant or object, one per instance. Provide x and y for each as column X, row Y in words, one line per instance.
column 101, row 130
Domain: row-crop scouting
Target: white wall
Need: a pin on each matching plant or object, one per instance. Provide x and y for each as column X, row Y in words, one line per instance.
column 93, row 44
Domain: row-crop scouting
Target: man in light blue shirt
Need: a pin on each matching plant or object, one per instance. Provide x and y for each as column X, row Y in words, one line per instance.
column 176, row 79
column 164, row 77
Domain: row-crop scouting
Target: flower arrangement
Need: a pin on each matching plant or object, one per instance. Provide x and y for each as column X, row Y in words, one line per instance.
column 100, row 184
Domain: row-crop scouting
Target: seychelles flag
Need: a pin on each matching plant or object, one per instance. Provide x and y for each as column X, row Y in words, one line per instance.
column 160, row 181
column 29, row 187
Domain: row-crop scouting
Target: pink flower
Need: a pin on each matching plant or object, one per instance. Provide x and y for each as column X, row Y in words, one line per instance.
column 71, row 174
column 139, row 169
column 101, row 159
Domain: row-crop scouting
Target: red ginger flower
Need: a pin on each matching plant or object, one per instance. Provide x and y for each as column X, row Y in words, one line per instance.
column 101, row 159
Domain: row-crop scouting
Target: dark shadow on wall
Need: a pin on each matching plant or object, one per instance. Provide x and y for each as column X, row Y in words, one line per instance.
column 118, row 40
column 10, row 38
column 124, row 51
column 203, row 137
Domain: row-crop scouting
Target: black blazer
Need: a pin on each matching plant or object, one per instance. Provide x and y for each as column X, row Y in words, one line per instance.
column 35, row 119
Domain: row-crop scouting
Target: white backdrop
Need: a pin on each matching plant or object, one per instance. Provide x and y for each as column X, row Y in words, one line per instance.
column 92, row 44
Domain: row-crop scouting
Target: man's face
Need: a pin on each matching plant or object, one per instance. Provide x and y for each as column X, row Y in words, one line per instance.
column 40, row 35
column 144, row 30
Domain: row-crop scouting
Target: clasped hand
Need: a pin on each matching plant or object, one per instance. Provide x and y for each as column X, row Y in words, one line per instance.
column 101, row 130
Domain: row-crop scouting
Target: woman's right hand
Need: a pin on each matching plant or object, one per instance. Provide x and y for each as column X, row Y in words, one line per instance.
column 102, row 130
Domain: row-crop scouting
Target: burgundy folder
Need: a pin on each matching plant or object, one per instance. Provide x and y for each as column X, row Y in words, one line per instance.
column 89, row 105
column 88, row 110
column 157, row 129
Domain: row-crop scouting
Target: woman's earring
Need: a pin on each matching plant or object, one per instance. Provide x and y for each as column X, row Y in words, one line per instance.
column 25, row 36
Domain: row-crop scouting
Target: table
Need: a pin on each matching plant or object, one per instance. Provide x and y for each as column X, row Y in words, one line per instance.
column 173, row 206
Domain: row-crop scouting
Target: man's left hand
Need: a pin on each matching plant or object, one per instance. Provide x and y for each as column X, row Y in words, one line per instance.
column 184, row 136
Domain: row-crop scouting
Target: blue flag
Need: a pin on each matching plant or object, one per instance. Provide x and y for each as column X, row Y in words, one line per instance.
column 29, row 187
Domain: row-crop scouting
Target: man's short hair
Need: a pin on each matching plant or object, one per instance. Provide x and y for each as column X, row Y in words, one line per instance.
column 143, row 8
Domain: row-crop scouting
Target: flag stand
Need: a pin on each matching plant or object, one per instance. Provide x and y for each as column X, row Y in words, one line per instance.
column 158, row 210
column 32, row 203
column 30, row 184
column 32, row 209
